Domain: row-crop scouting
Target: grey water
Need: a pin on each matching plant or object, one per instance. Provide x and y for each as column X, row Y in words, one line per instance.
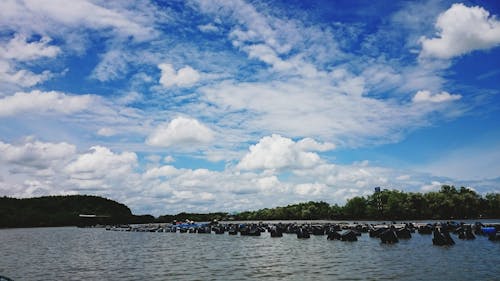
column 70, row 253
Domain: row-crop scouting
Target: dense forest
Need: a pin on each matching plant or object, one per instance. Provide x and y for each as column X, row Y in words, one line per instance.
column 60, row 211
column 447, row 203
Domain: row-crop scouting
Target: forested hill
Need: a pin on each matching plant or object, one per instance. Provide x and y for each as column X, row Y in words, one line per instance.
column 59, row 210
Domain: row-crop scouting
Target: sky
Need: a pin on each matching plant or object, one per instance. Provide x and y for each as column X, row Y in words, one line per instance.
column 199, row 106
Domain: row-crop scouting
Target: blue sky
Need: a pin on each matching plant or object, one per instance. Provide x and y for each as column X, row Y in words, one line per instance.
column 234, row 105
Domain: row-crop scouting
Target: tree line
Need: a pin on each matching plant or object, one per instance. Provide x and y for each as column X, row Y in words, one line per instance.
column 447, row 203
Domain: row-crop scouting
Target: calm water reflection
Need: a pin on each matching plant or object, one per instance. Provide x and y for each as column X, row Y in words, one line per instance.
column 76, row 254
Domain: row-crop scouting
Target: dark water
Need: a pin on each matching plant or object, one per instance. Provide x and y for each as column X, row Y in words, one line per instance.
column 96, row 254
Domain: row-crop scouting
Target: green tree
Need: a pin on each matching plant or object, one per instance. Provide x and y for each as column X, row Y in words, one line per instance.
column 355, row 207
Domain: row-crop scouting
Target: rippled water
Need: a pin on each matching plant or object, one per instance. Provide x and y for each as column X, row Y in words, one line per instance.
column 75, row 254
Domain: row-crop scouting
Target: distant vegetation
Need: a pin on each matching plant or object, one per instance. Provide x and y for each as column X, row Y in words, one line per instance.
column 60, row 211
column 193, row 216
column 447, row 203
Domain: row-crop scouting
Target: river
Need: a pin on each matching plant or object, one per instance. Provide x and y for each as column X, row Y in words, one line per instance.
column 70, row 253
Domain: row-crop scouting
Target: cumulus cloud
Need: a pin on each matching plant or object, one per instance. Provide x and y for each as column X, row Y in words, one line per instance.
column 184, row 77
column 310, row 189
column 35, row 154
column 163, row 171
column 189, row 195
column 168, row 189
column 43, row 102
column 101, row 163
column 461, row 30
column 277, row 152
column 427, row 96
column 270, row 184
column 312, row 145
column 180, row 131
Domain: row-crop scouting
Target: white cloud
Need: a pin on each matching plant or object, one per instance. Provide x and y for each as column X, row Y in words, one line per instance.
column 35, row 154
column 101, row 163
column 427, row 96
column 106, row 132
column 209, row 27
column 270, row 185
column 180, row 131
column 310, row 189
column 271, row 39
column 184, row 77
column 309, row 144
column 113, row 65
column 24, row 78
column 40, row 16
column 168, row 189
column 403, row 177
column 43, row 102
column 188, row 195
column 169, row 159
column 72, row 26
column 321, row 108
column 433, row 186
column 163, row 171
column 461, row 30
column 19, row 49
column 277, row 152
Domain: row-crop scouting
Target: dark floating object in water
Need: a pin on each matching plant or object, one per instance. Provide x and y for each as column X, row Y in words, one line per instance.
column 204, row 230
column 302, row 233
column 389, row 236
column 3, row 278
column 465, row 233
column 375, row 232
column 218, row 230
column 387, row 233
column 333, row 235
column 348, row 235
column 233, row 231
column 478, row 228
column 276, row 231
column 425, row 229
column 249, row 230
column 254, row 232
column 442, row 237
column 403, row 233
column 318, row 230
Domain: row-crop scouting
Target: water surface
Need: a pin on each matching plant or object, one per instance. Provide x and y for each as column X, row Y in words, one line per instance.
column 71, row 253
